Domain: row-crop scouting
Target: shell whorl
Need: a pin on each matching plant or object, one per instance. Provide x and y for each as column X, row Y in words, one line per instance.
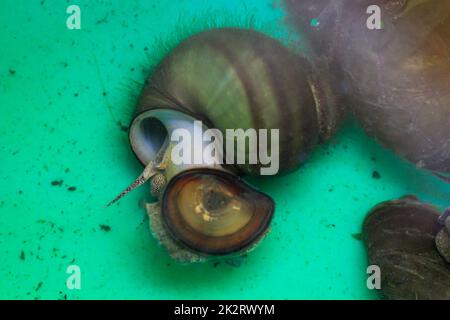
column 235, row 78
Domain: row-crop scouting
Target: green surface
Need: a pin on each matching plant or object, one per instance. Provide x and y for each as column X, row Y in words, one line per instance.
column 64, row 95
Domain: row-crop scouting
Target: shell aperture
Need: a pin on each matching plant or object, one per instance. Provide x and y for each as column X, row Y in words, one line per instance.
column 212, row 212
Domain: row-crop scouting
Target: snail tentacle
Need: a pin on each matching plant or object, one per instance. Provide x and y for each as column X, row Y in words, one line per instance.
column 148, row 172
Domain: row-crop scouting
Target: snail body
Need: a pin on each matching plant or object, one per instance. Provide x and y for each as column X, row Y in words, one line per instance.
column 402, row 238
column 395, row 79
column 227, row 79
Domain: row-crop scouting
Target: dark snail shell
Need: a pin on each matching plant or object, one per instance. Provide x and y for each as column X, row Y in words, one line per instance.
column 400, row 239
column 212, row 212
column 396, row 79
column 234, row 78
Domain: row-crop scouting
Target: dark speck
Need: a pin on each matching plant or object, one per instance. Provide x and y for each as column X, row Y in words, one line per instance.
column 57, row 182
column 22, row 255
column 376, row 175
column 12, row 72
column 216, row 264
column 105, row 227
column 103, row 20
column 122, row 127
column 39, row 285
column 75, row 95
column 357, row 236
column 71, row 188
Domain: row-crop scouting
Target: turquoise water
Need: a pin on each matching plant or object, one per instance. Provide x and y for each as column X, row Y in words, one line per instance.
column 65, row 97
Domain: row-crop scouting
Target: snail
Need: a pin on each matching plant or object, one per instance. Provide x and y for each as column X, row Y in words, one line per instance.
column 226, row 78
column 409, row 241
column 395, row 78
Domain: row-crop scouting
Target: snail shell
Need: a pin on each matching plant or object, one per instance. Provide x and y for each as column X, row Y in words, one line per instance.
column 234, row 78
column 400, row 239
column 229, row 79
column 396, row 79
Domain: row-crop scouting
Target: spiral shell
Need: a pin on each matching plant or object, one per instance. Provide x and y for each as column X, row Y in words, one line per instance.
column 228, row 79
column 235, row 78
